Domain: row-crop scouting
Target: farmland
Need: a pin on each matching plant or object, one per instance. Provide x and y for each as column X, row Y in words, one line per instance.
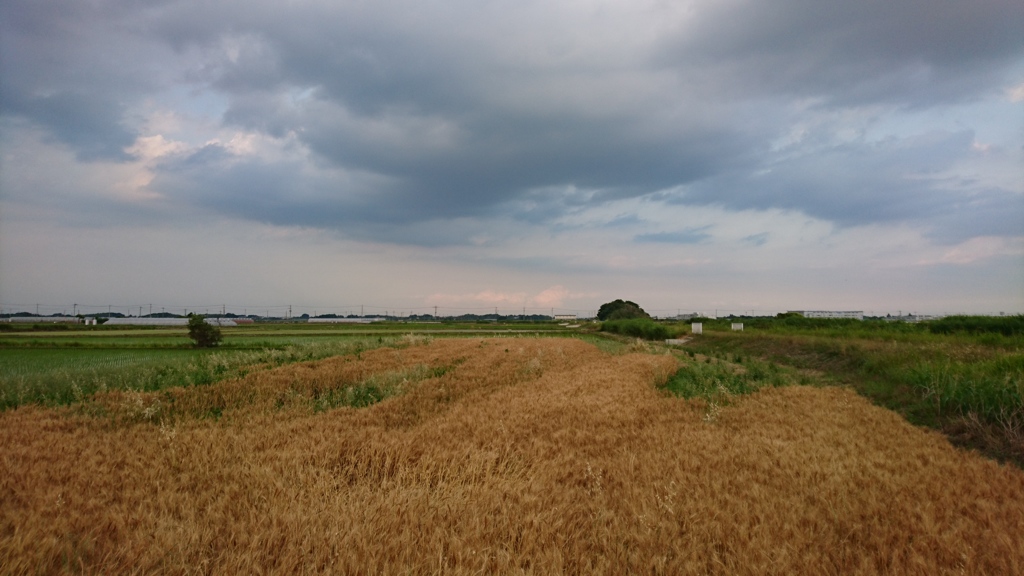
column 63, row 366
column 425, row 453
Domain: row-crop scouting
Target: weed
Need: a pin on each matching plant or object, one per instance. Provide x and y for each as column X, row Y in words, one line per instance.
column 714, row 379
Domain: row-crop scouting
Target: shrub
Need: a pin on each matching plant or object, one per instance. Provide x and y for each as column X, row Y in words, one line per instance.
column 204, row 335
column 637, row 327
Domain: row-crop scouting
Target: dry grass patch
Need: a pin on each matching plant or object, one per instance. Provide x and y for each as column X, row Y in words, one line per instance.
column 520, row 456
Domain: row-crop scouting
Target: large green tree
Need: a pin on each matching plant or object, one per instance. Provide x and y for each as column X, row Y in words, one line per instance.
column 204, row 334
column 620, row 310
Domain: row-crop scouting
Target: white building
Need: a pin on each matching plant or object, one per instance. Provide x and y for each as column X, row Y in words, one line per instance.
column 224, row 322
column 854, row 314
column 42, row 320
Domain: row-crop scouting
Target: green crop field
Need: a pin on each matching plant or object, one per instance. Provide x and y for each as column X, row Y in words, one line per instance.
column 65, row 365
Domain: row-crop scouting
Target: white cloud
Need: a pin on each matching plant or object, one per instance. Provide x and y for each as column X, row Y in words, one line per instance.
column 1016, row 93
column 983, row 248
column 150, row 148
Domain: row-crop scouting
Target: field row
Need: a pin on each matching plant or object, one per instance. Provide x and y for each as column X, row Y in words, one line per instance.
column 971, row 386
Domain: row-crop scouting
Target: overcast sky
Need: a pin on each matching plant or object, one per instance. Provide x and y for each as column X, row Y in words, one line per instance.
column 738, row 155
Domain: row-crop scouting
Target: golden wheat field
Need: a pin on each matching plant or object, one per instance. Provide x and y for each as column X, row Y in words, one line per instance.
column 535, row 456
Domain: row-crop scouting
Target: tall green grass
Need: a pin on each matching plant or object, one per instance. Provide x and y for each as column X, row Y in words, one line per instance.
column 992, row 389
column 992, row 329
column 938, row 380
column 714, row 377
column 638, row 328
column 1005, row 325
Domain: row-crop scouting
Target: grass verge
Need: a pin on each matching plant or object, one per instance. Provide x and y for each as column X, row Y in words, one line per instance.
column 969, row 387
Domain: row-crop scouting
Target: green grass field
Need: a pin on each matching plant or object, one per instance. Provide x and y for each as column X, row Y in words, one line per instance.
column 62, row 366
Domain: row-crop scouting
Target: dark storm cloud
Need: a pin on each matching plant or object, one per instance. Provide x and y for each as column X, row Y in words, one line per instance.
column 908, row 52
column 418, row 113
column 756, row 239
column 689, row 236
column 90, row 124
column 863, row 183
column 74, row 69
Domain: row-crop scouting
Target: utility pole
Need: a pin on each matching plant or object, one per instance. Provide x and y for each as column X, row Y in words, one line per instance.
column 360, row 310
column 74, row 310
column 37, row 309
column 435, row 312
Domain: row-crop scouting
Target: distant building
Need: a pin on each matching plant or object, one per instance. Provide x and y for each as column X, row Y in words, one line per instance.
column 854, row 314
column 223, row 322
column 42, row 320
column 914, row 318
column 565, row 316
column 146, row 322
column 340, row 320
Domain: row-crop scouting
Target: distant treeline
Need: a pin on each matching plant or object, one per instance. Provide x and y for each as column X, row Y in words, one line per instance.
column 974, row 325
column 1005, row 325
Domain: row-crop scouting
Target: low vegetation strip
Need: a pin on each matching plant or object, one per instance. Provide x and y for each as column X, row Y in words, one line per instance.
column 971, row 387
column 638, row 328
column 499, row 456
column 708, row 377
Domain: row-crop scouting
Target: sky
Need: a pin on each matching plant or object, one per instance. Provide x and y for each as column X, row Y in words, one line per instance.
column 729, row 156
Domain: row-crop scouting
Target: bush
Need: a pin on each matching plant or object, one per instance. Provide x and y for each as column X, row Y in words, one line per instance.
column 638, row 327
column 203, row 334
